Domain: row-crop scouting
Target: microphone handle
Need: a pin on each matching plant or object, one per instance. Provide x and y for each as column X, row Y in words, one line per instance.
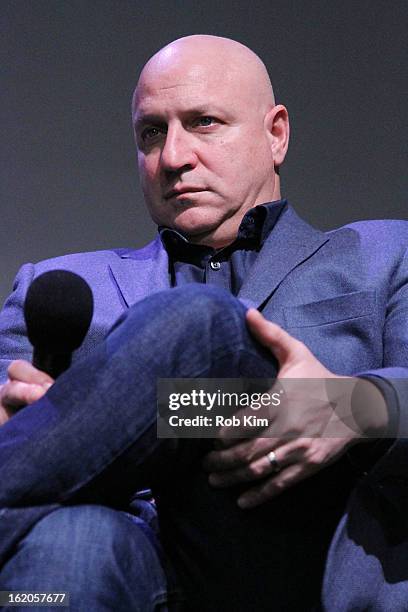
column 51, row 363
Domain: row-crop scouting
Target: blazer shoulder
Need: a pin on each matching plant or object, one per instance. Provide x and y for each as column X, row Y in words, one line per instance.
column 74, row 260
column 383, row 237
column 378, row 228
column 94, row 259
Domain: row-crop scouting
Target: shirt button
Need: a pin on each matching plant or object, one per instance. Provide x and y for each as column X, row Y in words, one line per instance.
column 215, row 265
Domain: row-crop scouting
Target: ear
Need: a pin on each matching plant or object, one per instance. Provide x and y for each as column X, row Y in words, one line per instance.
column 277, row 127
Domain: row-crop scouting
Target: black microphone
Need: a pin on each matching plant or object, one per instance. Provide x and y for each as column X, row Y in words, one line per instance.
column 58, row 310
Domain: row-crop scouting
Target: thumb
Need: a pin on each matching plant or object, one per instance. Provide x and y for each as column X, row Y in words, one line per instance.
column 283, row 345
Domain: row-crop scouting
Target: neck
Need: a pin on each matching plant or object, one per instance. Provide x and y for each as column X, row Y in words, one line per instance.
column 227, row 232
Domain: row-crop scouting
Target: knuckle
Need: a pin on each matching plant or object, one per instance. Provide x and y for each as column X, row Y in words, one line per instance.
column 312, row 462
column 302, row 445
column 315, row 457
column 34, row 393
column 16, row 393
column 238, row 455
column 256, row 470
column 15, row 366
column 10, row 396
column 9, row 388
column 278, row 485
column 252, row 453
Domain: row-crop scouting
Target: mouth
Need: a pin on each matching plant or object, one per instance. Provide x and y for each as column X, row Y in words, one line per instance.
column 184, row 191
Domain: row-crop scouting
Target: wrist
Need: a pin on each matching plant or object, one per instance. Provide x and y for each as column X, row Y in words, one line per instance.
column 369, row 409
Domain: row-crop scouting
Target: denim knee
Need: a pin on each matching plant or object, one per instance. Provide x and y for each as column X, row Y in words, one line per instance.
column 188, row 310
column 101, row 557
column 189, row 300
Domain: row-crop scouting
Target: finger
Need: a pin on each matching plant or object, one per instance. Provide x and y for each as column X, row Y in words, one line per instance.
column 282, row 344
column 260, row 468
column 24, row 371
column 18, row 394
column 273, row 486
column 239, row 455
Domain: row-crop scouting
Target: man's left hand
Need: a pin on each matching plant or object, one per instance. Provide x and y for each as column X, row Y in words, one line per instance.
column 305, row 434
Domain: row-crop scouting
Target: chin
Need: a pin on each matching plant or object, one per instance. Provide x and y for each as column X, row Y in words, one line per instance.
column 191, row 231
column 193, row 223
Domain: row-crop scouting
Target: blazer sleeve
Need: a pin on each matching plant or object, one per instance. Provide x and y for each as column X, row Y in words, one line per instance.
column 388, row 477
column 13, row 339
column 392, row 379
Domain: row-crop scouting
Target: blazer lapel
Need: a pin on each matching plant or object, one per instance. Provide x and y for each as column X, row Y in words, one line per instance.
column 140, row 273
column 289, row 244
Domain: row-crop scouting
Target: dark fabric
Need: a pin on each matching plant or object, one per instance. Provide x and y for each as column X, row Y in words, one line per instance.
column 344, row 294
column 226, row 268
column 92, row 440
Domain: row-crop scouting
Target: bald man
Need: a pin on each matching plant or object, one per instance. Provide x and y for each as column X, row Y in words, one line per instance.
column 217, row 119
column 245, row 524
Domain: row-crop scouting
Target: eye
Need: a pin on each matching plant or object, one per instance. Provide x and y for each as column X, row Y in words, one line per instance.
column 150, row 133
column 204, row 121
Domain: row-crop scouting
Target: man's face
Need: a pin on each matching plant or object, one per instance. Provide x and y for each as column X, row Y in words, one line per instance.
column 204, row 153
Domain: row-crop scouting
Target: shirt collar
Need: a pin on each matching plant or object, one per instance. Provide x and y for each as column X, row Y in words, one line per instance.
column 254, row 229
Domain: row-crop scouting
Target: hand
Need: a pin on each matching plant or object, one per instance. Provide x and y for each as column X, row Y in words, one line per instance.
column 312, row 427
column 26, row 385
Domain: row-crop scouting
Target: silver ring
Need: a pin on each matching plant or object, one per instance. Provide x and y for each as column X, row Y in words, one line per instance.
column 273, row 461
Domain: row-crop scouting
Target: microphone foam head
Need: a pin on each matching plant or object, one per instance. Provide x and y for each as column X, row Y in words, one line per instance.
column 58, row 311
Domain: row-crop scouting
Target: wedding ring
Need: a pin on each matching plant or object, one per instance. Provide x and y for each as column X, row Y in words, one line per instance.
column 273, row 461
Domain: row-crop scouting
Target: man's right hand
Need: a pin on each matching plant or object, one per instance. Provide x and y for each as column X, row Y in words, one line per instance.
column 25, row 385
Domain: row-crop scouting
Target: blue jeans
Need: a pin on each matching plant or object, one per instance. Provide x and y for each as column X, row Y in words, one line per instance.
column 92, row 440
column 104, row 559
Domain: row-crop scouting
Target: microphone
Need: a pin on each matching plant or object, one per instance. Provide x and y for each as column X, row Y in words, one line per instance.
column 58, row 310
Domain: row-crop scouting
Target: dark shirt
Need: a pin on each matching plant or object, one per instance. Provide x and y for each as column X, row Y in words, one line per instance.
column 227, row 267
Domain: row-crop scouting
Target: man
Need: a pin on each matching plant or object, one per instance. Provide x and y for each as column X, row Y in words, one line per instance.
column 248, row 524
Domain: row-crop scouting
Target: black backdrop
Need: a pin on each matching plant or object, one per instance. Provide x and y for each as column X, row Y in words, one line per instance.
column 68, row 167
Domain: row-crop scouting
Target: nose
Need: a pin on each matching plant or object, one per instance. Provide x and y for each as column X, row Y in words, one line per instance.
column 178, row 154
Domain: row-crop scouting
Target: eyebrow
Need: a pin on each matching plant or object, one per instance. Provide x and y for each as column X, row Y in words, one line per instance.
column 154, row 119
column 147, row 120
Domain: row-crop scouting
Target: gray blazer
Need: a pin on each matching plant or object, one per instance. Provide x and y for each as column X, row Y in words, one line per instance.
column 343, row 293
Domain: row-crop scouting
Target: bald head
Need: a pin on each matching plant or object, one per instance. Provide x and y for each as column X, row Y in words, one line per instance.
column 227, row 60
column 209, row 135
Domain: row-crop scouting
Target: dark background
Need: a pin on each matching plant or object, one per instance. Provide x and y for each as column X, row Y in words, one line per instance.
column 68, row 164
